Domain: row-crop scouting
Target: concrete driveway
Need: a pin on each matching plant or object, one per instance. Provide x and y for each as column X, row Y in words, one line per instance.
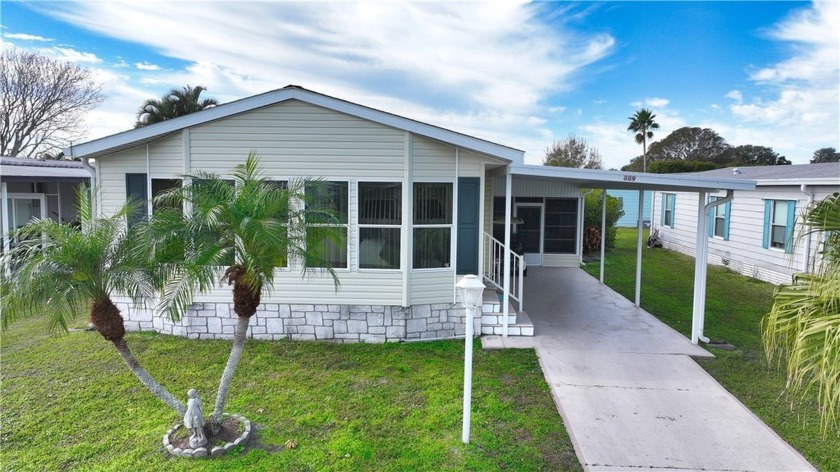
column 629, row 393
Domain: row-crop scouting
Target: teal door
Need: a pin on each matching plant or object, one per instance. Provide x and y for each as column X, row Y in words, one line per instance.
column 468, row 231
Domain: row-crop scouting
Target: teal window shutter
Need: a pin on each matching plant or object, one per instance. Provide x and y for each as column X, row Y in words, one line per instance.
column 136, row 189
column 768, row 208
column 791, row 219
column 726, row 209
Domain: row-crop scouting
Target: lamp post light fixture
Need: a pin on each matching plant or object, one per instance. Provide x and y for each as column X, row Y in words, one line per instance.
column 471, row 290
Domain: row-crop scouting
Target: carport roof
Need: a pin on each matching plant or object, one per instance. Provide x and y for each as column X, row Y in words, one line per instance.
column 16, row 169
column 610, row 179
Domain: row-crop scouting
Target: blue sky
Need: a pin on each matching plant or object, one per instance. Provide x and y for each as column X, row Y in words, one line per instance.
column 522, row 74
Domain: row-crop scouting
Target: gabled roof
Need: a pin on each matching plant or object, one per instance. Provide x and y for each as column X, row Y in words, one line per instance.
column 147, row 134
column 812, row 174
column 611, row 179
column 17, row 169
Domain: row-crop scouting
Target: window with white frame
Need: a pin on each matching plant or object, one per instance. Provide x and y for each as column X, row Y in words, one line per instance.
column 778, row 223
column 720, row 219
column 668, row 204
column 328, row 246
column 380, row 220
column 432, row 225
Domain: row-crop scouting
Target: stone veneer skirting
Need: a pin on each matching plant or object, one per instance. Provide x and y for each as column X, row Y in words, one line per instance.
column 273, row 321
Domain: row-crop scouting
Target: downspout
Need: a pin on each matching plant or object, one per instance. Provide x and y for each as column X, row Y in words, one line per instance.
column 806, row 258
column 700, row 294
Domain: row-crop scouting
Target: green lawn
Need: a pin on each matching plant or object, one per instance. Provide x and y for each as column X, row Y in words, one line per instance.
column 69, row 403
column 735, row 305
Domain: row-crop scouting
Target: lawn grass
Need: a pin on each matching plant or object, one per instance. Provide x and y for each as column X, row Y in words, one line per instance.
column 69, row 403
column 735, row 305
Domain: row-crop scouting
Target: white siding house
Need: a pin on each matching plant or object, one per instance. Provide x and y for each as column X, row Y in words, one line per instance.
column 755, row 234
column 449, row 185
column 32, row 188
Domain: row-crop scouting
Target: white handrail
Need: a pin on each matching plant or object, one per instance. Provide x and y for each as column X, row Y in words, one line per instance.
column 494, row 270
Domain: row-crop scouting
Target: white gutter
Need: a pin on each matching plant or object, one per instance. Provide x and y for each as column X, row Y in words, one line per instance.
column 581, row 224
column 806, row 257
column 701, row 266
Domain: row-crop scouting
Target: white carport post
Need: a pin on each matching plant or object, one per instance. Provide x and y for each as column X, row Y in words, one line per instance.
column 700, row 259
column 639, row 248
column 603, row 231
column 508, row 205
column 4, row 196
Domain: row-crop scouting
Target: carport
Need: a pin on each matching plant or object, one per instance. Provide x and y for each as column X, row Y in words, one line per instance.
column 606, row 180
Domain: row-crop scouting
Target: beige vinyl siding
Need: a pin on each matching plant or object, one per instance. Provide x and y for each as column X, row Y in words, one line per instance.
column 470, row 164
column 743, row 252
column 432, row 160
column 292, row 134
column 166, row 157
column 111, row 176
column 560, row 260
column 535, row 187
column 434, row 286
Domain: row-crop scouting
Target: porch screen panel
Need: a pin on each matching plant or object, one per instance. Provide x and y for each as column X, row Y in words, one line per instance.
column 560, row 235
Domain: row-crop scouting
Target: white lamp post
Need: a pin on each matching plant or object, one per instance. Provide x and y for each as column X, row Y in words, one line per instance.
column 471, row 290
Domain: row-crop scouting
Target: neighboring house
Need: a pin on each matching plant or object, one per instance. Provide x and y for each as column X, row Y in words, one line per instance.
column 756, row 233
column 33, row 188
column 418, row 204
column 630, row 204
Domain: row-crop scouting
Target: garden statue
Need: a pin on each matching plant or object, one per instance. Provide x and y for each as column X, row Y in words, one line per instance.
column 194, row 420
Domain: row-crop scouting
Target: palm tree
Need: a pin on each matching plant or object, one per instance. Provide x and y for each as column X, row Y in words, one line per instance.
column 642, row 123
column 803, row 326
column 61, row 271
column 249, row 226
column 175, row 103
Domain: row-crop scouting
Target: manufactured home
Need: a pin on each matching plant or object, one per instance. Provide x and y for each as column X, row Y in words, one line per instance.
column 33, row 188
column 421, row 205
column 756, row 233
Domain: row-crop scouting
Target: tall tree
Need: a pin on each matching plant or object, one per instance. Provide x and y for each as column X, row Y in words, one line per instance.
column 803, row 326
column 688, row 144
column 828, row 154
column 58, row 270
column 250, row 226
column 572, row 152
column 749, row 155
column 642, row 123
column 42, row 103
column 175, row 103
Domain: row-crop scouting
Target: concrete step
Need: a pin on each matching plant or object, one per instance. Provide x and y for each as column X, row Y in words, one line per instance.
column 521, row 327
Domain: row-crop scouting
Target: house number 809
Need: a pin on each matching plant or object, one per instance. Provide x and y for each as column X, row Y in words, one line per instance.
column 630, row 178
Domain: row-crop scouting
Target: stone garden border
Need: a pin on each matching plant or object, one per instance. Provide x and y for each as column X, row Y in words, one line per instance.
column 202, row 452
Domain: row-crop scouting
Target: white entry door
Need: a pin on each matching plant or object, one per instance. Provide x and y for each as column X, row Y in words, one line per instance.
column 24, row 207
column 530, row 231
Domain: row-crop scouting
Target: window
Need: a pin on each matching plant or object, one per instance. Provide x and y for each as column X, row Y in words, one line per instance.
column 668, row 204
column 779, row 217
column 162, row 185
column 560, row 235
column 326, row 204
column 719, row 224
column 432, row 225
column 380, row 217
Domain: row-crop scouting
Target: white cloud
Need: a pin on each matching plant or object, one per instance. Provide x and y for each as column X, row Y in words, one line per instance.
column 657, row 102
column 26, row 37
column 735, row 95
column 485, row 69
column 146, row 66
column 70, row 55
column 799, row 110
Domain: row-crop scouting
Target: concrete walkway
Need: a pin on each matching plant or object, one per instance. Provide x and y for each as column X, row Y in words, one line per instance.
column 629, row 393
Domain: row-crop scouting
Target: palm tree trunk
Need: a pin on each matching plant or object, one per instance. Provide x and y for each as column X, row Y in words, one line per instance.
column 147, row 380
column 239, row 336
